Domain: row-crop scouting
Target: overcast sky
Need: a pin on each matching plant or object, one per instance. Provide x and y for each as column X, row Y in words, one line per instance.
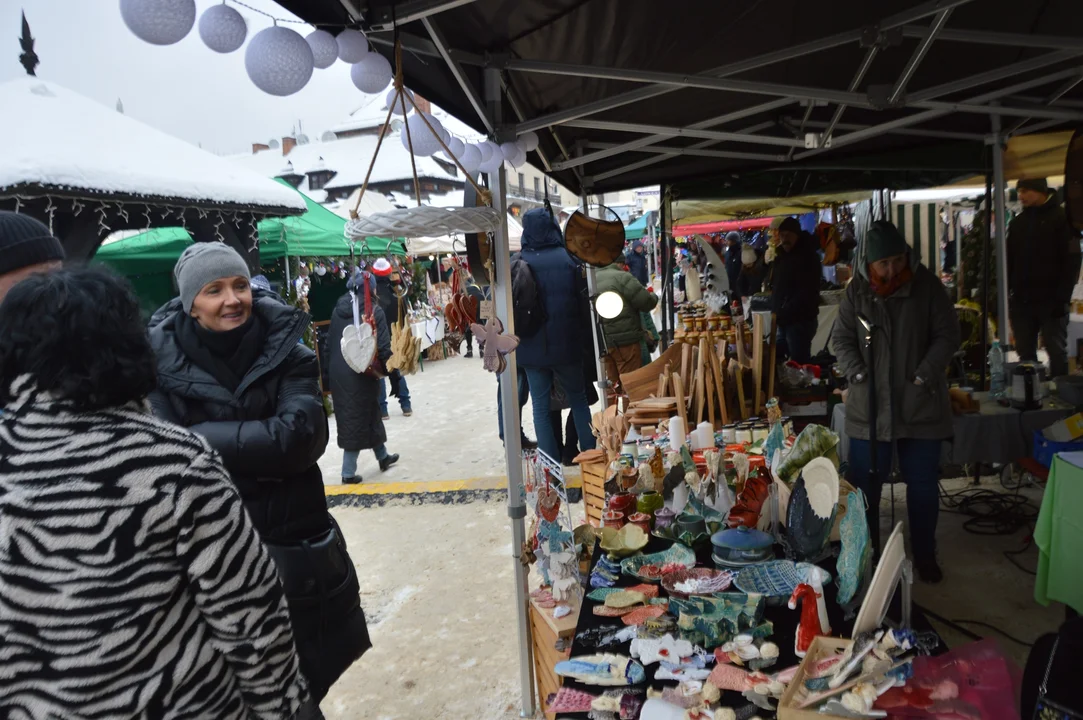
column 186, row 89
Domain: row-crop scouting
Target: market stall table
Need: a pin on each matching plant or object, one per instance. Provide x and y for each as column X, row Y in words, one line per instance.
column 785, row 623
column 994, row 434
column 429, row 330
column 1059, row 534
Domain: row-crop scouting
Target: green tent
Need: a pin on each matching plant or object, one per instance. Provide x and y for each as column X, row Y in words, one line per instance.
column 147, row 259
column 636, row 229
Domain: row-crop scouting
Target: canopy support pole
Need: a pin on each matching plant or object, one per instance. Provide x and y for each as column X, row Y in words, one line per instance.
column 986, row 234
column 1002, row 246
column 509, row 400
column 595, row 330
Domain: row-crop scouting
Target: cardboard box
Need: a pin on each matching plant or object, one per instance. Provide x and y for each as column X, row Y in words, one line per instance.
column 796, row 693
column 1065, row 430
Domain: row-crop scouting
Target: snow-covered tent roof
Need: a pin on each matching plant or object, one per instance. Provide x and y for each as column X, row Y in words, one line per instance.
column 349, row 158
column 68, row 145
column 372, row 203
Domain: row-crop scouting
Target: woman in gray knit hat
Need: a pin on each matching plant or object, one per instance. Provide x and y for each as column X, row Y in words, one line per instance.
column 231, row 369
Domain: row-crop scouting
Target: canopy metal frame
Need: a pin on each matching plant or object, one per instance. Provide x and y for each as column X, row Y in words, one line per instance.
column 1032, row 114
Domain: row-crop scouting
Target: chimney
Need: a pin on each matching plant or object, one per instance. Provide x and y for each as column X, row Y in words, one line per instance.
column 288, row 143
column 422, row 104
column 259, row 147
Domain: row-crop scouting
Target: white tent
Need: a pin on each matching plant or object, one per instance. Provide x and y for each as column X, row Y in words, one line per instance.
column 373, row 202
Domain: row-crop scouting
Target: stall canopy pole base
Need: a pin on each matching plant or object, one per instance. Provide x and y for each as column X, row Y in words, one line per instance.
column 1002, row 245
column 509, row 399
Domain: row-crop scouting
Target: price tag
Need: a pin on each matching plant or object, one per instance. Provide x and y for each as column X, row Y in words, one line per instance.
column 485, row 310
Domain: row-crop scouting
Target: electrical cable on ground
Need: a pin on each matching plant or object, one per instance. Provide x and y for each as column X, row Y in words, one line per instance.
column 957, row 626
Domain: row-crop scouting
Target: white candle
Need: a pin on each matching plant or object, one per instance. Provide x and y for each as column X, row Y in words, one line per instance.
column 676, row 433
column 703, row 436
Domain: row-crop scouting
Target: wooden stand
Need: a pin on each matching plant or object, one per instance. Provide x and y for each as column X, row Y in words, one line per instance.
column 592, row 466
column 546, row 631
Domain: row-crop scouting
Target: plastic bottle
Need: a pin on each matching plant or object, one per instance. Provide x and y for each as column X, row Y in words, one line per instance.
column 996, row 370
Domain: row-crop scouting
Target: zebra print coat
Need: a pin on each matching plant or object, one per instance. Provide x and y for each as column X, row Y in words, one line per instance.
column 132, row 582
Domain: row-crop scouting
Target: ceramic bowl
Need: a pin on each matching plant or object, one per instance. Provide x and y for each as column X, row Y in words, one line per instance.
column 663, row 518
column 641, row 520
column 777, row 579
column 719, row 581
column 613, row 519
column 690, row 523
column 671, row 532
column 742, row 546
column 676, row 554
column 624, row 542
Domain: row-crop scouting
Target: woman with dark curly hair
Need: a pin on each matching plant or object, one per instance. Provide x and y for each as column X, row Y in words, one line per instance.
column 231, row 369
column 122, row 535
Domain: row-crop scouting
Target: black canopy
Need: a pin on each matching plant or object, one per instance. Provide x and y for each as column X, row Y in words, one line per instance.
column 678, row 91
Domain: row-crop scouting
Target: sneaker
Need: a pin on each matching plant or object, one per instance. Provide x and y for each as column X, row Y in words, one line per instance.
column 469, row 353
column 407, row 412
column 928, row 570
column 355, row 480
column 385, row 416
column 388, row 462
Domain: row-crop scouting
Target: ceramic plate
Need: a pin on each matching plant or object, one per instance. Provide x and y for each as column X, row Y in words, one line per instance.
column 676, row 553
column 736, row 564
column 778, row 578
column 874, row 608
column 719, row 581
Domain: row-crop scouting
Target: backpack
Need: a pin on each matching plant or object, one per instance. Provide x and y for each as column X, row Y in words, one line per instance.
column 528, row 312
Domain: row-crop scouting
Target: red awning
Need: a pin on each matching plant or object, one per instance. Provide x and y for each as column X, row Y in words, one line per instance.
column 720, row 226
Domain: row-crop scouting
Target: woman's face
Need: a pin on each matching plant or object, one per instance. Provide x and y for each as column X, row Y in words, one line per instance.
column 223, row 304
column 888, row 268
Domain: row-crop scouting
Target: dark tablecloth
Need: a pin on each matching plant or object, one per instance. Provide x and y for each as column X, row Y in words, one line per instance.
column 785, row 627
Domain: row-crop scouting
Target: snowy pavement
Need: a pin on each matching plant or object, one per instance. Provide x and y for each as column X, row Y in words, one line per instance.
column 452, row 434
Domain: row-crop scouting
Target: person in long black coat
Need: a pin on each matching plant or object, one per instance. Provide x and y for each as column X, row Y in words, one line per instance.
column 230, row 368
column 389, row 303
column 357, row 395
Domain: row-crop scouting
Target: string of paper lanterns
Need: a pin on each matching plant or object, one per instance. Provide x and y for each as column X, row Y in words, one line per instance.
column 280, row 62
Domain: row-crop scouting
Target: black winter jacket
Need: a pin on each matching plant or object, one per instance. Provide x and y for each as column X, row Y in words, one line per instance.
column 356, row 396
column 795, row 282
column 270, row 432
column 1043, row 257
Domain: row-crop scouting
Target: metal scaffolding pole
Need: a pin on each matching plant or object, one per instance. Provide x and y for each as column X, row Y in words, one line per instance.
column 1002, row 249
column 509, row 401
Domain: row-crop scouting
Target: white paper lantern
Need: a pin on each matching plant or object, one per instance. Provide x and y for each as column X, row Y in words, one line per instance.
column 509, row 150
column 471, row 159
column 159, row 22
column 529, row 141
column 397, row 110
column 424, row 142
column 372, row 74
column 496, row 158
column 518, row 159
column 278, row 61
column 352, row 46
column 222, row 28
column 457, row 147
column 324, row 48
column 485, row 150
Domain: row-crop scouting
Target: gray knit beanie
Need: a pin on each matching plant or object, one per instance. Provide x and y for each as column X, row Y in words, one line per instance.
column 205, row 262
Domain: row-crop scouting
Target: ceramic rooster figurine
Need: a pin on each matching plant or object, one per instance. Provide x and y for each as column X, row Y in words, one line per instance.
column 810, row 618
column 497, row 345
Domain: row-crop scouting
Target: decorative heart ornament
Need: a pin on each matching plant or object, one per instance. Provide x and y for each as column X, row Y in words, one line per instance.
column 358, row 347
column 548, row 503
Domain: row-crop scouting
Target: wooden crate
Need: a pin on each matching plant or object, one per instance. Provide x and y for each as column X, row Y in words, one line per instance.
column 593, row 472
column 821, row 647
column 545, row 631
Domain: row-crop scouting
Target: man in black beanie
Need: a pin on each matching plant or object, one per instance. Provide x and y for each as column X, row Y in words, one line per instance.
column 26, row 247
column 1043, row 267
column 795, row 289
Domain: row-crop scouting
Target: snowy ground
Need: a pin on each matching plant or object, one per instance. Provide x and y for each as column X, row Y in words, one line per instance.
column 452, row 434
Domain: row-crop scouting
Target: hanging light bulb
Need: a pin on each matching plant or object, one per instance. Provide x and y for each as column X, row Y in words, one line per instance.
column 159, row 22
column 222, row 28
column 279, row 61
column 324, row 48
column 609, row 305
column 353, row 46
column 372, row 74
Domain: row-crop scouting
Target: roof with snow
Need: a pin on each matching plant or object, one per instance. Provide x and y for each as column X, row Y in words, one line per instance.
column 350, row 158
column 69, row 145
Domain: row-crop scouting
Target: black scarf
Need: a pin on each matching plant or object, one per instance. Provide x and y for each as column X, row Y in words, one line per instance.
column 228, row 355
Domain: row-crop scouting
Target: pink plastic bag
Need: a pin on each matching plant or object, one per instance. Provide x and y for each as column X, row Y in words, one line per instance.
column 972, row 682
